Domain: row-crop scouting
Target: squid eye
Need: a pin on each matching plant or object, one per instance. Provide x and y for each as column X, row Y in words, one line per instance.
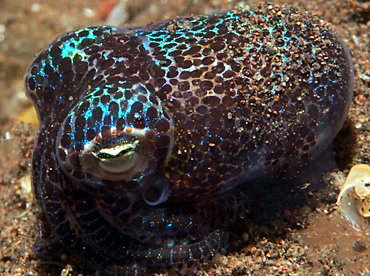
column 119, row 158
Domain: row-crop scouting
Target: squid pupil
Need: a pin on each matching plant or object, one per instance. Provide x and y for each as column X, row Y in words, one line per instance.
column 105, row 155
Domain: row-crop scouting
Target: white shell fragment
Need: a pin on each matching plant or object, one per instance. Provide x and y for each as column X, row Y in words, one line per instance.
column 354, row 197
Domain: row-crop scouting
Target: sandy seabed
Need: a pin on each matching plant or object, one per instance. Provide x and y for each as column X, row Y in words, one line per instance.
column 305, row 237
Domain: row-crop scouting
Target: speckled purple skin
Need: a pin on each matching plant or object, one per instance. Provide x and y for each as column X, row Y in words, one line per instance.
column 145, row 132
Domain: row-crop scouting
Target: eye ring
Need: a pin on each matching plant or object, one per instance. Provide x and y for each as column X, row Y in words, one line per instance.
column 123, row 157
column 118, row 159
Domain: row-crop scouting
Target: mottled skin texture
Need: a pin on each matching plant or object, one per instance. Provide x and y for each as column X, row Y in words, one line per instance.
column 145, row 132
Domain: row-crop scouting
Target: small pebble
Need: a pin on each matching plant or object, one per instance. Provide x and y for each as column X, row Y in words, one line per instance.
column 359, row 246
